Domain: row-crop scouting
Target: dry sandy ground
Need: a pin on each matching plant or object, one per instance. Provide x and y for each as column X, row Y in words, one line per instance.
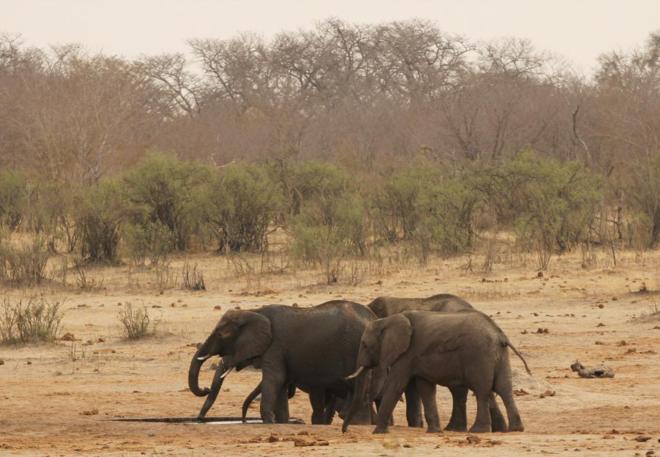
column 57, row 399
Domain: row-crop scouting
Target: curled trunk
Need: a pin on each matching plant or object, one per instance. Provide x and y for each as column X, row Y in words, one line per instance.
column 193, row 377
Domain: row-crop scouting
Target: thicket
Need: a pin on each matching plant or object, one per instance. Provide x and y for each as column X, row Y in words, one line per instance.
column 165, row 204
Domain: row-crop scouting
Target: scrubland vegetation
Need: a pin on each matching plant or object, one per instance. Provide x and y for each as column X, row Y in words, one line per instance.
column 348, row 139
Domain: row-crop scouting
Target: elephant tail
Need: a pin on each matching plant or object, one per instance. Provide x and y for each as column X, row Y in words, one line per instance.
column 508, row 343
column 246, row 403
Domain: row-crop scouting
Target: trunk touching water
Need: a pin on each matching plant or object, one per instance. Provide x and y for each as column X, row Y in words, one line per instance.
column 216, row 385
column 193, row 377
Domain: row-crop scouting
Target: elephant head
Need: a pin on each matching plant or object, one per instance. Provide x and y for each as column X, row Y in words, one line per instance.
column 383, row 342
column 240, row 337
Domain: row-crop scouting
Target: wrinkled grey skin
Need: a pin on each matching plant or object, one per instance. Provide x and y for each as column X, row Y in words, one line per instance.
column 443, row 303
column 314, row 347
column 449, row 349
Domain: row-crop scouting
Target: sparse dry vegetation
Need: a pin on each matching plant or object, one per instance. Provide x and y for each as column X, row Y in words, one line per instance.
column 31, row 321
column 136, row 322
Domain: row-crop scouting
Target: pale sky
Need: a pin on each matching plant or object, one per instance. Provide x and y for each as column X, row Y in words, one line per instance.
column 578, row 30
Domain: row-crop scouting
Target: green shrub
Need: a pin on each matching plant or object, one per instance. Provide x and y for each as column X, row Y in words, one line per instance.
column 36, row 321
column 243, row 202
column 427, row 205
column 147, row 241
column 13, row 198
column 164, row 190
column 52, row 212
column 100, row 213
column 331, row 224
column 549, row 204
column 643, row 195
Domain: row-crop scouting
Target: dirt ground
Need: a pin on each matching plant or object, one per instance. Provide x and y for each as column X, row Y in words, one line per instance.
column 58, row 399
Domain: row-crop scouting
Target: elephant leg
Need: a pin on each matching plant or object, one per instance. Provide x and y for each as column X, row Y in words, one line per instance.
column 282, row 406
column 504, row 388
column 378, row 402
column 317, row 399
column 426, row 391
column 458, row 419
column 413, row 406
column 272, row 382
column 482, row 422
column 397, row 382
column 329, row 408
column 497, row 421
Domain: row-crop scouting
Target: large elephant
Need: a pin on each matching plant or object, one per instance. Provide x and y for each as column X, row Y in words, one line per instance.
column 443, row 303
column 314, row 347
column 451, row 349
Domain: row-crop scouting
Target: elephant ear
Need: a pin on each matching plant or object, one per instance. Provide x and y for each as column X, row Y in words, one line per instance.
column 395, row 339
column 254, row 337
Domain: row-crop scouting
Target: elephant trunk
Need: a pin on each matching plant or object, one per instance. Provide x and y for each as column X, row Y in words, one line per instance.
column 361, row 397
column 220, row 373
column 193, row 375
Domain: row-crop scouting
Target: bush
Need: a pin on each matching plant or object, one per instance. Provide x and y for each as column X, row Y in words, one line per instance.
column 192, row 278
column 427, row 205
column 329, row 228
column 99, row 218
column 243, row 202
column 24, row 265
column 52, row 209
column 164, row 190
column 147, row 241
column 643, row 193
column 137, row 323
column 13, row 198
column 36, row 321
column 548, row 203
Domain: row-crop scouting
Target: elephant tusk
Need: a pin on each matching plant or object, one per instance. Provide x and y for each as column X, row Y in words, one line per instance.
column 356, row 374
column 203, row 357
column 222, row 376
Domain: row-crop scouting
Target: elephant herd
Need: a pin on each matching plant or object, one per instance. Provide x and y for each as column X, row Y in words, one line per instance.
column 358, row 361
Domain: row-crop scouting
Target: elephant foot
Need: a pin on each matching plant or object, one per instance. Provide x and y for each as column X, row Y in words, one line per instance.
column 433, row 429
column 499, row 425
column 379, row 429
column 516, row 427
column 455, row 427
column 480, row 428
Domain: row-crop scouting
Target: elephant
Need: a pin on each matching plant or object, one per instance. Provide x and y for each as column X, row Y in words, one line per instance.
column 451, row 349
column 314, row 347
column 324, row 403
column 445, row 303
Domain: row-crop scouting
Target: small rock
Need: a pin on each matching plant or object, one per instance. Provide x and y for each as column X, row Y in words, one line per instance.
column 68, row 337
column 216, row 307
column 151, row 434
column 100, row 340
column 642, row 438
column 91, row 412
column 547, row 393
column 600, row 325
column 273, row 438
column 2, row 362
column 29, row 362
column 601, row 306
